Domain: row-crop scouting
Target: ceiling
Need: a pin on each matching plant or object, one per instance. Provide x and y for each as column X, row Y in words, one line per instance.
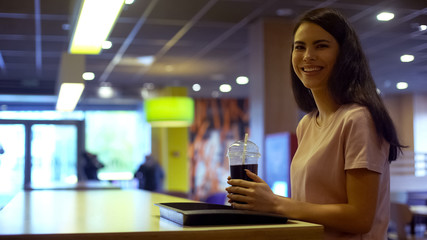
column 193, row 41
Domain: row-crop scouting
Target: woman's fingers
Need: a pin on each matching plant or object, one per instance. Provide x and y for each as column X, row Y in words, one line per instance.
column 238, row 198
column 238, row 190
column 253, row 176
column 244, row 183
column 240, row 183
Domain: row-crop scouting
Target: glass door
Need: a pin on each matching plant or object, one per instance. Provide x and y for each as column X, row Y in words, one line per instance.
column 39, row 153
column 12, row 160
column 53, row 154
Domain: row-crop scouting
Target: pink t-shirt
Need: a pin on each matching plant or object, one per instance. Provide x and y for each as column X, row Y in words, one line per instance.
column 318, row 169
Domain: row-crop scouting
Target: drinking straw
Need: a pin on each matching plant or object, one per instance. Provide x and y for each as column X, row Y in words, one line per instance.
column 244, row 149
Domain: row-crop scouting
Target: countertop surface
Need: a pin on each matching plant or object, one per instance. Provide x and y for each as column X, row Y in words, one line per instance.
column 96, row 214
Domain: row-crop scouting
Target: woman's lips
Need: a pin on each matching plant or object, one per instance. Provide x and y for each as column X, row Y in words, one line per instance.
column 311, row 69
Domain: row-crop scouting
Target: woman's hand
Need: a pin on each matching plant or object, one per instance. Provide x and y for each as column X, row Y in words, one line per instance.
column 255, row 195
column 355, row 216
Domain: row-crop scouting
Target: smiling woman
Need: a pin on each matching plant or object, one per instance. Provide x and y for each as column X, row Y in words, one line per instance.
column 340, row 172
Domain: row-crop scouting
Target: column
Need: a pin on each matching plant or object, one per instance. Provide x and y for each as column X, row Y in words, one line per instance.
column 272, row 105
column 401, row 110
column 170, row 147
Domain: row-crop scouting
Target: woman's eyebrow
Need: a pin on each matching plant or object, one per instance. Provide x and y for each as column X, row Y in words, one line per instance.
column 315, row 42
column 321, row 40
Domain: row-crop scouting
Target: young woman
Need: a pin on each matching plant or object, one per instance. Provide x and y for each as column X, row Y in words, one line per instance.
column 340, row 173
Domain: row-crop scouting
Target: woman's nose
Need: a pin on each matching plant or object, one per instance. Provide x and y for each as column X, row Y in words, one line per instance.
column 309, row 56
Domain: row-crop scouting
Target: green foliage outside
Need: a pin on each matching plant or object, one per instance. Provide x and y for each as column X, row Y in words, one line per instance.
column 120, row 139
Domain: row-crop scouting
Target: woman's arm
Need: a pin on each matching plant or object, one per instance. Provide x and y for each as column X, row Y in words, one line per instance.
column 356, row 216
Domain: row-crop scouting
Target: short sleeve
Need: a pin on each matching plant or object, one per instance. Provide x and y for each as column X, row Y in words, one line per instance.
column 363, row 148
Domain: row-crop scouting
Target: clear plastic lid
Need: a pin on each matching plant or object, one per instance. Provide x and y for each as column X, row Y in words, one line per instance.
column 236, row 149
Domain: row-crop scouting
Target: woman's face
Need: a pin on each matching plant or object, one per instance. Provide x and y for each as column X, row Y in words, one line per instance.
column 313, row 56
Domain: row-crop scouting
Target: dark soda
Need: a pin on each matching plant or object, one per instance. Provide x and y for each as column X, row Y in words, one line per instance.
column 237, row 171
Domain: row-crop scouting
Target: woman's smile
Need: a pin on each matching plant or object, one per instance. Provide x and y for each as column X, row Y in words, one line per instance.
column 310, row 69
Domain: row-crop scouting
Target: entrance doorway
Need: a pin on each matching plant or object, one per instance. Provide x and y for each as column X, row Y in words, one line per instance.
column 39, row 152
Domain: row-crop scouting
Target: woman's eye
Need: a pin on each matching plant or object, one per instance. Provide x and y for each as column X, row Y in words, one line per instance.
column 299, row 47
column 322, row 46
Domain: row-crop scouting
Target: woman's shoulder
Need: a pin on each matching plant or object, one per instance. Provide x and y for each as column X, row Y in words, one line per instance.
column 307, row 117
column 355, row 112
column 304, row 124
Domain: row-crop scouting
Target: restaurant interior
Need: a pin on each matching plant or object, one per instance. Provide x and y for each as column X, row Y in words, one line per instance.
column 174, row 83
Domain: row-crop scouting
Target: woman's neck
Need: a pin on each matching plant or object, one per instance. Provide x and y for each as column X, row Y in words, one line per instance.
column 325, row 104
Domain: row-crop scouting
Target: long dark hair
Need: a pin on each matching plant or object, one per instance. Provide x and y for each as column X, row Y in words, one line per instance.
column 351, row 80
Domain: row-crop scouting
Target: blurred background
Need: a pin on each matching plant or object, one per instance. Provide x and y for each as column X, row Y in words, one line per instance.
column 208, row 51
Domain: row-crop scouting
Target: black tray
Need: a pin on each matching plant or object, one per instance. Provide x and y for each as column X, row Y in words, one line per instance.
column 193, row 214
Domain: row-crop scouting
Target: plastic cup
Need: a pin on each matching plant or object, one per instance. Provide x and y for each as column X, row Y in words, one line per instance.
column 240, row 159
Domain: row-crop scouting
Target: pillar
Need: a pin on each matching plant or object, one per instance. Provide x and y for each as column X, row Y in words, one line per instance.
column 272, row 105
column 420, row 120
column 401, row 110
column 170, row 147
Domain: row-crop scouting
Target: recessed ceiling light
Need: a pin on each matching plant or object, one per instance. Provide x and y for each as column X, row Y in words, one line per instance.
column 407, row 58
column 196, row 87
column 149, row 86
column 107, row 45
column 242, row 80
column 385, row 16
column 422, row 27
column 402, row 85
column 88, row 76
column 129, row 1
column 105, row 91
column 145, row 93
column 225, row 88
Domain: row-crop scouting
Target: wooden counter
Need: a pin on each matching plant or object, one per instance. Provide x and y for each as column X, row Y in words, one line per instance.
column 121, row 214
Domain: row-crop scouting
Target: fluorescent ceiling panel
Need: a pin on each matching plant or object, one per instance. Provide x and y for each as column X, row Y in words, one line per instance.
column 69, row 95
column 96, row 19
